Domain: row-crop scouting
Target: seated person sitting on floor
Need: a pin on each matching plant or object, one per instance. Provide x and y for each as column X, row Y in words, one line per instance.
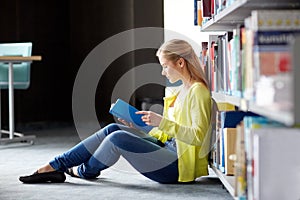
column 183, row 130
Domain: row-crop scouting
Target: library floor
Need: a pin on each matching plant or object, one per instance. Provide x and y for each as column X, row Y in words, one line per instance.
column 118, row 182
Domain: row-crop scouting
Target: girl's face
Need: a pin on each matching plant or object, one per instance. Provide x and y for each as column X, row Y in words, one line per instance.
column 170, row 69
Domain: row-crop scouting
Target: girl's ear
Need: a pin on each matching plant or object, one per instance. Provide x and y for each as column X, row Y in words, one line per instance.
column 181, row 62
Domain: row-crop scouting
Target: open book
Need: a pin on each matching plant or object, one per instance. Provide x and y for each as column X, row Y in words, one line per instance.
column 127, row 112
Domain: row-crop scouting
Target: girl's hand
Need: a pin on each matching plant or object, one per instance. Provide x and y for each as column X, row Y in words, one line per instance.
column 126, row 123
column 150, row 118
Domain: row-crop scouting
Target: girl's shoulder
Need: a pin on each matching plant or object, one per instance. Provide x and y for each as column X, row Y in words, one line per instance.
column 200, row 92
column 200, row 87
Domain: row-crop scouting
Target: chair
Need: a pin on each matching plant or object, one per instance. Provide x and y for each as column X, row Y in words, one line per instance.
column 20, row 80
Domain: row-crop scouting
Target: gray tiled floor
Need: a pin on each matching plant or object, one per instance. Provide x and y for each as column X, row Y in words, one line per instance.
column 119, row 182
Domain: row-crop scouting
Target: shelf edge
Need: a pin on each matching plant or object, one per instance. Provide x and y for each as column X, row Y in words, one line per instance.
column 225, row 180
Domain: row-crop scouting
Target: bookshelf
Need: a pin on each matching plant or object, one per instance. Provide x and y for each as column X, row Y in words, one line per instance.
column 229, row 19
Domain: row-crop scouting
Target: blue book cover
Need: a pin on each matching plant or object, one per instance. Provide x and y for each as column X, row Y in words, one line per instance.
column 196, row 13
column 230, row 119
column 127, row 112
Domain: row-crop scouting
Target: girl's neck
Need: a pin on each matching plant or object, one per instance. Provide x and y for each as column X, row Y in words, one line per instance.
column 187, row 84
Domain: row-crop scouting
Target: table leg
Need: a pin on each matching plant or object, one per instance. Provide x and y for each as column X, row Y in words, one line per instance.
column 11, row 100
column 0, row 117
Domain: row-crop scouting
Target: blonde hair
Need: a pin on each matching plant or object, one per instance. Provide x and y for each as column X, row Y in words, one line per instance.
column 174, row 49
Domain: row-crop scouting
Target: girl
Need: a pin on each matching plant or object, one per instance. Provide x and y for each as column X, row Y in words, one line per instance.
column 183, row 130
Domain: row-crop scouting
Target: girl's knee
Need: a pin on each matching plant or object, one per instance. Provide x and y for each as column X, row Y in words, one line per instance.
column 120, row 138
column 109, row 129
column 112, row 126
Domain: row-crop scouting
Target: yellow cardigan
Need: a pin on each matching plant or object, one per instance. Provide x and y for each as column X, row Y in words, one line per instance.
column 191, row 129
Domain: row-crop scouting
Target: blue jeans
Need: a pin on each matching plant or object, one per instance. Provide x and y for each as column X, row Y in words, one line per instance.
column 103, row 149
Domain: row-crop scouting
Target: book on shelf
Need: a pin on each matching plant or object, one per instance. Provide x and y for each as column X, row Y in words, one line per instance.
column 276, row 163
column 212, row 59
column 127, row 112
column 225, row 119
column 204, row 58
column 232, row 57
column 224, row 106
column 219, row 87
column 212, row 7
column 248, row 90
column 252, row 123
column 230, row 119
column 239, row 62
column 229, row 137
column 202, row 11
column 231, row 64
column 274, row 20
column 226, row 62
column 252, row 61
column 213, row 55
column 195, row 12
column 206, row 8
column 221, row 165
column 243, row 60
column 211, row 71
column 229, row 3
column 267, row 52
column 222, row 5
column 216, row 150
column 240, row 185
column 199, row 13
column 220, row 62
column 234, row 120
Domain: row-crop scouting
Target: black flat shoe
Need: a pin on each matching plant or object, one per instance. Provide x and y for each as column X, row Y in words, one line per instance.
column 70, row 171
column 53, row 177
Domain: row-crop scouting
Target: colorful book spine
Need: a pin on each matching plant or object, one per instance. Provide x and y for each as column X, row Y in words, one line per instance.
column 267, row 52
column 227, row 119
column 248, row 62
column 195, row 12
column 240, row 186
column 199, row 13
column 229, row 135
column 252, row 123
column 276, row 163
column 206, row 8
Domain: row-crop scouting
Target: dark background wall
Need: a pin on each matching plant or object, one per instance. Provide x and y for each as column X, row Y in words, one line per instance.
column 63, row 32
